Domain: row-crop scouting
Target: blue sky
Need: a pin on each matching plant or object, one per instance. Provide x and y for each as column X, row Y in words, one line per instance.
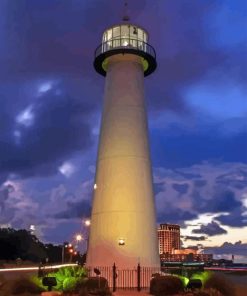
column 51, row 101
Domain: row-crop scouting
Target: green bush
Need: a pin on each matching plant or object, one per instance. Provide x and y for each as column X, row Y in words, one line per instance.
column 69, row 279
column 166, row 285
column 221, row 284
column 94, row 282
column 203, row 276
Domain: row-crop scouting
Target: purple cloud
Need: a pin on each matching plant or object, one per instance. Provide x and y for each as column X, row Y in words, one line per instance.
column 210, row 229
column 194, row 238
column 237, row 248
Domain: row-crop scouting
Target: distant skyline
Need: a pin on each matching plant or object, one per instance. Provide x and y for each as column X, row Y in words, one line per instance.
column 51, row 101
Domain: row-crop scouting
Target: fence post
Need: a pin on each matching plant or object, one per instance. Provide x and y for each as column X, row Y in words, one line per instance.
column 138, row 277
column 114, row 274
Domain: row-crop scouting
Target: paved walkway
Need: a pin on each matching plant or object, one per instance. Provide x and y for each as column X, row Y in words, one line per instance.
column 131, row 293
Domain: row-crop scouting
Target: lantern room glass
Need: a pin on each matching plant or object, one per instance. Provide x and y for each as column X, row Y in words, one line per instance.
column 129, row 36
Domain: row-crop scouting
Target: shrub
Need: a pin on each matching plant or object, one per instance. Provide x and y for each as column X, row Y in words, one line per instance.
column 94, row 282
column 202, row 276
column 69, row 284
column 166, row 285
column 69, row 279
column 221, row 284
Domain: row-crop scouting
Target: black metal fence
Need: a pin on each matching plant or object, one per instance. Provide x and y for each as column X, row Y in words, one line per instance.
column 136, row 278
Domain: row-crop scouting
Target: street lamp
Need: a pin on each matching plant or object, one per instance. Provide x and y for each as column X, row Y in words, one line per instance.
column 71, row 251
column 87, row 222
column 65, row 245
column 78, row 237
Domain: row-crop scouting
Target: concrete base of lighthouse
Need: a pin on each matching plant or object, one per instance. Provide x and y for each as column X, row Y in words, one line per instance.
column 123, row 221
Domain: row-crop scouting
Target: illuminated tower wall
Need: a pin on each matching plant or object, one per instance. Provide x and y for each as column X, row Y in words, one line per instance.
column 123, row 220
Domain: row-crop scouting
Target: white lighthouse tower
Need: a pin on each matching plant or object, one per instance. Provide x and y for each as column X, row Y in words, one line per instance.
column 123, row 220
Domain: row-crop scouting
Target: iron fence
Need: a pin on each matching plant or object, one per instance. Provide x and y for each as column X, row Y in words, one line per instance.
column 136, row 278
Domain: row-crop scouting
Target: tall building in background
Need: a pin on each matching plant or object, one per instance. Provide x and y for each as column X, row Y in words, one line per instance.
column 123, row 220
column 169, row 238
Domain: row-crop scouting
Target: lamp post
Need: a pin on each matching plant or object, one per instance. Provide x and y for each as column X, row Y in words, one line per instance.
column 65, row 245
column 78, row 239
column 71, row 251
column 87, row 223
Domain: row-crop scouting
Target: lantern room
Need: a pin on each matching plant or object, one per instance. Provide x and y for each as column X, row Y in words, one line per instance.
column 125, row 38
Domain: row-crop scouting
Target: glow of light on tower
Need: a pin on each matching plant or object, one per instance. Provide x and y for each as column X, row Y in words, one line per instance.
column 87, row 222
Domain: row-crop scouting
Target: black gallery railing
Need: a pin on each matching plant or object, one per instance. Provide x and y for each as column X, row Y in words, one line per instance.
column 125, row 43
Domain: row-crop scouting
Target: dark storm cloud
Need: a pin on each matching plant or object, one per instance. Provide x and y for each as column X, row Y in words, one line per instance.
column 210, row 229
column 158, row 188
column 4, row 195
column 221, row 201
column 55, row 36
column 227, row 179
column 224, row 201
column 200, row 183
column 176, row 148
column 58, row 128
column 6, row 213
column 173, row 215
column 59, row 37
column 237, row 248
column 234, row 219
column 210, row 198
column 181, row 188
column 76, row 209
column 49, row 40
column 194, row 238
column 185, row 54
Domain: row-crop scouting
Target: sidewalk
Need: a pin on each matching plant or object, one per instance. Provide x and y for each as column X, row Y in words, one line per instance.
column 131, row 293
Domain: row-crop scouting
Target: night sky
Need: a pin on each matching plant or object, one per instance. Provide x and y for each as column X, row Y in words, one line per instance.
column 51, row 102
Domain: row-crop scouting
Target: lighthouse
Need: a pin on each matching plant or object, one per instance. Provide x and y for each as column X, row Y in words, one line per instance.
column 123, row 219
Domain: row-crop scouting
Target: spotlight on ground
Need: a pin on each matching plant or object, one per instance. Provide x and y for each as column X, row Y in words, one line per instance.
column 194, row 284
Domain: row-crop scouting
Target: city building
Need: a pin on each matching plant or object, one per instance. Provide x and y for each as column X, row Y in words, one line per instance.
column 168, row 237
column 123, row 218
column 186, row 257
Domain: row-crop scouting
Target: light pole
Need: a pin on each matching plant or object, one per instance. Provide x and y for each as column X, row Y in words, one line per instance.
column 87, row 223
column 78, row 238
column 65, row 246
column 63, row 250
